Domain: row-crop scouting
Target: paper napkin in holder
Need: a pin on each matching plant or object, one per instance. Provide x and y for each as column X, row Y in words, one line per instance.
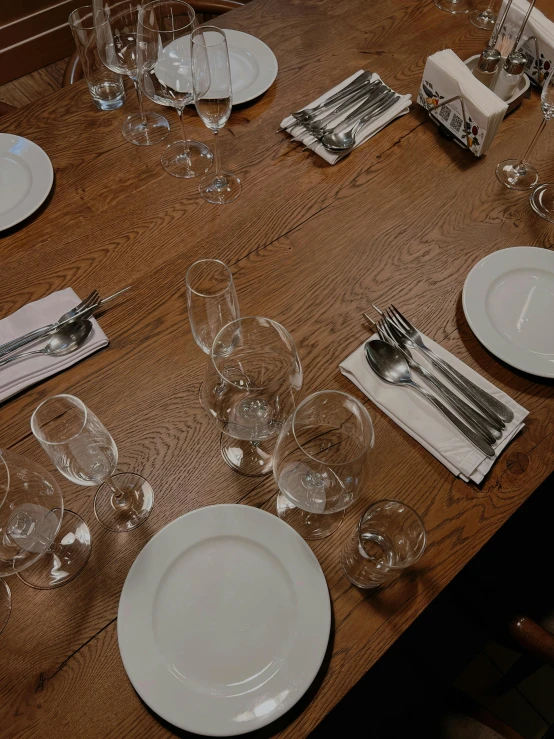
column 539, row 26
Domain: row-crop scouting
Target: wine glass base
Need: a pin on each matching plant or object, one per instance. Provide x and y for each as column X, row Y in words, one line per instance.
column 5, row 604
column 131, row 516
column 66, row 557
column 308, row 525
column 542, row 201
column 509, row 175
column 455, row 6
column 178, row 162
column 483, row 19
column 220, row 189
column 153, row 129
column 247, row 457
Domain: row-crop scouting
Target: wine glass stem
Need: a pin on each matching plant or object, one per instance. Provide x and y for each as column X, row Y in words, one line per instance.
column 139, row 97
column 120, row 498
column 180, row 112
column 525, row 157
column 217, row 158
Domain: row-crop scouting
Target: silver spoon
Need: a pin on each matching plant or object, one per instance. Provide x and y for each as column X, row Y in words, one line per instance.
column 390, row 365
column 66, row 340
column 344, row 140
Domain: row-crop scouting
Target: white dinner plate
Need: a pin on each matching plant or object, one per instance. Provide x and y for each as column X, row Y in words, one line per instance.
column 26, row 177
column 223, row 620
column 508, row 300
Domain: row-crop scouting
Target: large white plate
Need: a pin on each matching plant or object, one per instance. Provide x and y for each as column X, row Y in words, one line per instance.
column 224, row 620
column 253, row 66
column 508, row 300
column 26, row 177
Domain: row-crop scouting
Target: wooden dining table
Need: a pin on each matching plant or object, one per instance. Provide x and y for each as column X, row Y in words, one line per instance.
column 402, row 219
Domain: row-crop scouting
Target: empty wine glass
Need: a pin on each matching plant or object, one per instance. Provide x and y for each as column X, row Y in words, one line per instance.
column 165, row 28
column 212, row 300
column 455, row 6
column 83, row 451
column 519, row 174
column 211, row 74
column 321, row 462
column 389, row 537
column 44, row 544
column 542, row 201
column 484, row 18
column 252, row 377
column 116, row 34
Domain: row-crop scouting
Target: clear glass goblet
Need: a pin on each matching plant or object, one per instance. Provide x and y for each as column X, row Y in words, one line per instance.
column 542, row 201
column 83, row 450
column 321, row 462
column 165, row 75
column 252, row 377
column 116, row 34
column 485, row 17
column 455, row 6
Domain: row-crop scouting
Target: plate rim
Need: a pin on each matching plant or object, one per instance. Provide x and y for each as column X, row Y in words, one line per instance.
column 478, row 331
column 273, row 57
column 326, row 618
column 39, row 199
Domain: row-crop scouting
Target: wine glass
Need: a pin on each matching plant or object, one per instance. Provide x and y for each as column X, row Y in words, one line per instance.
column 211, row 76
column 455, row 6
column 519, row 174
column 252, row 377
column 33, row 524
column 320, row 462
column 165, row 76
column 212, row 300
column 542, row 201
column 485, row 18
column 83, row 451
column 116, row 34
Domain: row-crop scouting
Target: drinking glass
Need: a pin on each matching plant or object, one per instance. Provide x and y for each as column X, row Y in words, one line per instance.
column 519, row 174
column 83, row 451
column 542, row 201
column 116, row 33
column 485, row 18
column 37, row 536
column 211, row 75
column 455, row 6
column 321, row 462
column 252, row 377
column 165, row 28
column 212, row 300
column 389, row 537
column 105, row 87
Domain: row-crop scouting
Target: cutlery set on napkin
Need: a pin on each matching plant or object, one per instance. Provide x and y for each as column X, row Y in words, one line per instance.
column 467, row 421
column 346, row 116
column 446, row 76
column 61, row 311
column 540, row 55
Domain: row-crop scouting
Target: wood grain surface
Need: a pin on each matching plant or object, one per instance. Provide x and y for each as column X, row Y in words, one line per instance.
column 403, row 219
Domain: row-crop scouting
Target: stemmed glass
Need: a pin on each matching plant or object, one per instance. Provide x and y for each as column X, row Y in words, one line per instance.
column 252, row 377
column 519, row 174
column 33, row 524
column 83, row 451
column 321, row 462
column 484, row 18
column 165, row 76
column 211, row 75
column 116, row 34
column 455, row 6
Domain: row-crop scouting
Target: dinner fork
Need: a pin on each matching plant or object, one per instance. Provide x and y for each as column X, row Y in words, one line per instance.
column 388, row 332
column 495, row 411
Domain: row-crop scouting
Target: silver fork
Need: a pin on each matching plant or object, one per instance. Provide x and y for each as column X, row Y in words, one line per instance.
column 495, row 411
column 387, row 332
column 14, row 344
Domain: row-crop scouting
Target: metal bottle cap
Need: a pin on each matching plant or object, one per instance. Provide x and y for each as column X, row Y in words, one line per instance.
column 488, row 61
column 515, row 63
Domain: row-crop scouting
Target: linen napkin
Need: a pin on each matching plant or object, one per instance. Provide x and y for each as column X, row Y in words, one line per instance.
column 18, row 375
column 400, row 108
column 413, row 413
column 445, row 76
column 539, row 26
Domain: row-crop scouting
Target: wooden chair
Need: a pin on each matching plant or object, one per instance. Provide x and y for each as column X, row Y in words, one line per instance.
column 206, row 8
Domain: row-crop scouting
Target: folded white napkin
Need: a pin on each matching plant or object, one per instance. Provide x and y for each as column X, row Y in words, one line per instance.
column 538, row 25
column 18, row 375
column 425, row 423
column 446, row 76
column 400, row 108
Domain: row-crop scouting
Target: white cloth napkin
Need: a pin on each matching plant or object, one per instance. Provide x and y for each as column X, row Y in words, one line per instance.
column 400, row 108
column 18, row 375
column 425, row 423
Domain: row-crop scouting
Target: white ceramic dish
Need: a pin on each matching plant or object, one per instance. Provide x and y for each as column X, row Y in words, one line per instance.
column 26, row 177
column 224, row 620
column 508, row 300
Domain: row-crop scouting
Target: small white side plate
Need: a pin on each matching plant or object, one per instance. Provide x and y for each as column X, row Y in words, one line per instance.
column 26, row 177
column 508, row 300
column 224, row 620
